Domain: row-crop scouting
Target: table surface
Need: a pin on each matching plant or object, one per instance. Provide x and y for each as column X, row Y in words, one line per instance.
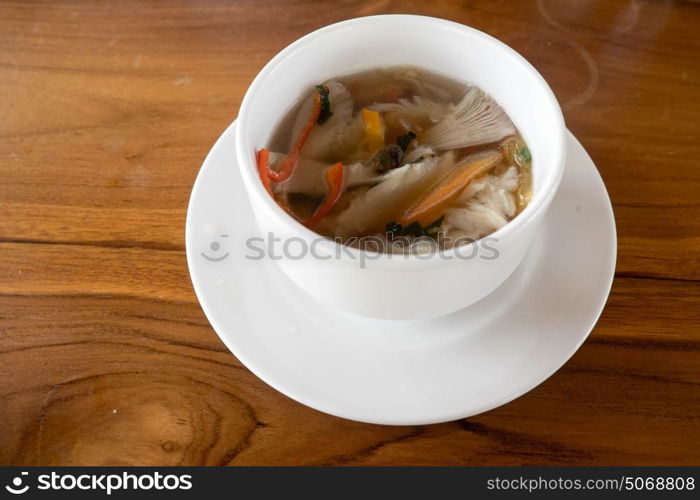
column 108, row 109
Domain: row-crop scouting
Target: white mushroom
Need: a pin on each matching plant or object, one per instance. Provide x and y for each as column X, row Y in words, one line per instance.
column 397, row 189
column 339, row 135
column 483, row 207
column 418, row 109
column 307, row 177
column 476, row 119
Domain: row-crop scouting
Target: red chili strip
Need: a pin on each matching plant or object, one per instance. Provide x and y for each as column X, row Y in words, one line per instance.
column 334, row 178
column 290, row 162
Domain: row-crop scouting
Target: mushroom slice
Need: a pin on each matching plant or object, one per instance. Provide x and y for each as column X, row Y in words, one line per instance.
column 339, row 135
column 388, row 199
column 484, row 207
column 418, row 110
column 476, row 119
column 308, row 176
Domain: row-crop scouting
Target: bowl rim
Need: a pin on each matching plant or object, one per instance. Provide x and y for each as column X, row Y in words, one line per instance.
column 539, row 202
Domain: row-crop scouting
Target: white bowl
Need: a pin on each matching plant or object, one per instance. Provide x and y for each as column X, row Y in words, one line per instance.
column 401, row 286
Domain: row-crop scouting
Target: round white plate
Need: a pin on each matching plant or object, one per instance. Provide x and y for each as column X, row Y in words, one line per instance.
column 403, row 372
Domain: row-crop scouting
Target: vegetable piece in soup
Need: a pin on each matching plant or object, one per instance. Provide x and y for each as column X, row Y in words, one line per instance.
column 397, row 155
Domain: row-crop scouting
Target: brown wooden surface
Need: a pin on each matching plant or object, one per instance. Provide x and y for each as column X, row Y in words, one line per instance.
column 108, row 109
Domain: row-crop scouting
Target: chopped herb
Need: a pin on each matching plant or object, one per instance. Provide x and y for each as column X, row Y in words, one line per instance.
column 394, row 228
column 414, row 229
column 405, row 140
column 523, row 155
column 389, row 158
column 432, row 230
column 325, row 104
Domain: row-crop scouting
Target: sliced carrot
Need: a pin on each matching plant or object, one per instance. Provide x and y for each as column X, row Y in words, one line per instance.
column 374, row 129
column 290, row 161
column 334, row 178
column 433, row 204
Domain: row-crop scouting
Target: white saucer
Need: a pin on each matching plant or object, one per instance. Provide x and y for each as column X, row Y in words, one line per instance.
column 403, row 372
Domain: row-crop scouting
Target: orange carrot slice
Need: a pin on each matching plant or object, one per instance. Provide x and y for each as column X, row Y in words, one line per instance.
column 433, row 204
column 334, row 178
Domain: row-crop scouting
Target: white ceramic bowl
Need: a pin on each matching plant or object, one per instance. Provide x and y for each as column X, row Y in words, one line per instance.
column 397, row 286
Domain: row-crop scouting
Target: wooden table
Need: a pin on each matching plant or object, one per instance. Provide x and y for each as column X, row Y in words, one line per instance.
column 108, row 109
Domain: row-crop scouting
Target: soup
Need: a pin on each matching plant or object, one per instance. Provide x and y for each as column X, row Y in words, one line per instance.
column 398, row 155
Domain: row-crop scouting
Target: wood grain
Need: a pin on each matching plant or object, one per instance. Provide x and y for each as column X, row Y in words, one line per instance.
column 105, row 356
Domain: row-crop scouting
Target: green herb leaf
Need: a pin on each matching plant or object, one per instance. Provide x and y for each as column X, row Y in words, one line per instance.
column 394, row 228
column 524, row 155
column 389, row 158
column 432, row 230
column 325, row 104
column 405, row 140
column 414, row 229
